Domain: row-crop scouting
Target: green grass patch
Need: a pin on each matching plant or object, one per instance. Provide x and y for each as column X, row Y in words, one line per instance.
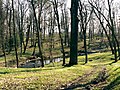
column 39, row 78
column 50, row 77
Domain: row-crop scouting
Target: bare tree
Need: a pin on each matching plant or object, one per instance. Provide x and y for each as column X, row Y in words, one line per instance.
column 110, row 23
column 14, row 32
column 2, row 31
column 20, row 20
column 38, row 33
column 55, row 5
column 85, row 16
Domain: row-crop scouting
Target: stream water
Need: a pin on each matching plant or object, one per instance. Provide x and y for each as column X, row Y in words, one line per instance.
column 37, row 63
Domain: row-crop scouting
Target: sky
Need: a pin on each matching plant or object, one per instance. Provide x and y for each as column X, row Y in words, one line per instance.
column 117, row 3
column 68, row 3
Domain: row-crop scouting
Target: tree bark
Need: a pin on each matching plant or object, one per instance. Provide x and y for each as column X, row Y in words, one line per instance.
column 74, row 33
column 61, row 39
column 27, row 37
column 38, row 34
column 14, row 32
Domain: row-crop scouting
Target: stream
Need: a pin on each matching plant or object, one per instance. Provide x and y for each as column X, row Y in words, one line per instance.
column 35, row 63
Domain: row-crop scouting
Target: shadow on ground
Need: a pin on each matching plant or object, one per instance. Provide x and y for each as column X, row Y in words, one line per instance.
column 114, row 83
column 83, row 84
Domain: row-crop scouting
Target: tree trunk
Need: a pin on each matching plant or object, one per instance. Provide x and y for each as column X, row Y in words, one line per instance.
column 10, row 37
column 110, row 44
column 27, row 37
column 38, row 34
column 4, row 52
column 61, row 39
column 74, row 33
column 14, row 32
column 113, row 31
column 85, row 46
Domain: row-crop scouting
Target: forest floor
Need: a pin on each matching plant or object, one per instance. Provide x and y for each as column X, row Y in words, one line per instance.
column 100, row 73
column 95, row 78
